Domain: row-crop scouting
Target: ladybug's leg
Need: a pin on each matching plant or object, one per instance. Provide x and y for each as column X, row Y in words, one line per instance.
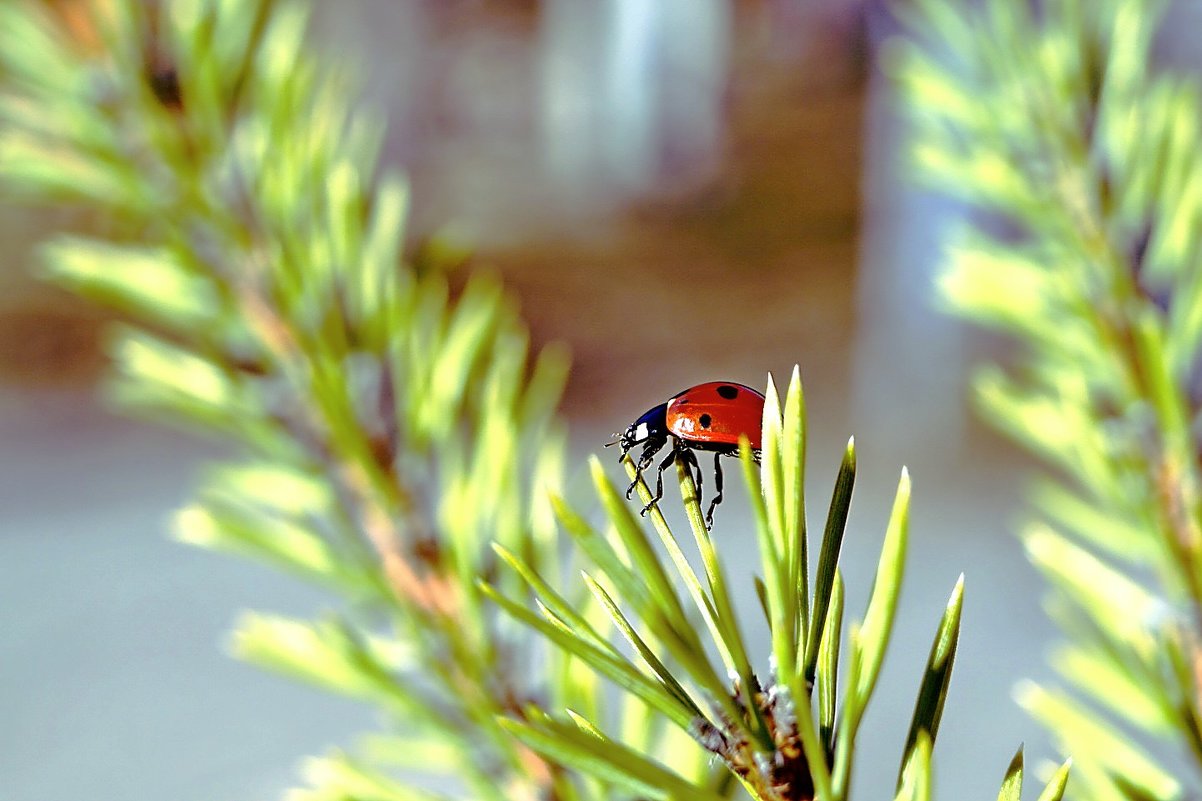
column 659, row 480
column 709, row 514
column 645, row 459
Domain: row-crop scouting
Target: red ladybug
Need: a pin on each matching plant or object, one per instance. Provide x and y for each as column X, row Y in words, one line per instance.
column 707, row 417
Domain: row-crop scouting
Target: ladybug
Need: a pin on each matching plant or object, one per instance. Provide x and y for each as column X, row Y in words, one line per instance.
column 707, row 417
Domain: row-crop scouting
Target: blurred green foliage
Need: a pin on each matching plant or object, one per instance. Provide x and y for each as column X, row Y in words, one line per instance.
column 1080, row 162
column 398, row 445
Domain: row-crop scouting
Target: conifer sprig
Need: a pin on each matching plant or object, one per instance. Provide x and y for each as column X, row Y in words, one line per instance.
column 390, row 426
column 776, row 731
column 1081, row 162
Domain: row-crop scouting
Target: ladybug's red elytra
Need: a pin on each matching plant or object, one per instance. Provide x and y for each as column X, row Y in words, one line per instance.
column 707, row 417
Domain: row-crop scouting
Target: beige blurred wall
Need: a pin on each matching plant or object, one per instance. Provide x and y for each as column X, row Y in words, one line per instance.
column 644, row 174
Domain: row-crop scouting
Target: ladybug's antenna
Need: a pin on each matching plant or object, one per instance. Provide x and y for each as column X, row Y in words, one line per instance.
column 616, row 441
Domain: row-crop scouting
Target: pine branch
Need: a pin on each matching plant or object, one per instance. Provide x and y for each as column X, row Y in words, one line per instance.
column 777, row 736
column 1092, row 172
column 255, row 237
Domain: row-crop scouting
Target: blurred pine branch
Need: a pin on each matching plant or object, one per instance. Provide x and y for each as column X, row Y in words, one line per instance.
column 1081, row 163
column 399, row 446
column 391, row 426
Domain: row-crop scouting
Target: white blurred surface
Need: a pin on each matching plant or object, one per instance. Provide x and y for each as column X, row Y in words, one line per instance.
column 113, row 680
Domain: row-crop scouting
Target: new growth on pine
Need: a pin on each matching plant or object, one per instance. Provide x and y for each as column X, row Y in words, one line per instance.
column 1053, row 125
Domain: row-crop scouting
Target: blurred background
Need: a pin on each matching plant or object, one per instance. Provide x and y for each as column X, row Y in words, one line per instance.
column 681, row 190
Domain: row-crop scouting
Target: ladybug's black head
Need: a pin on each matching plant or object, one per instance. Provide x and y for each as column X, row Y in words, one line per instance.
column 652, row 425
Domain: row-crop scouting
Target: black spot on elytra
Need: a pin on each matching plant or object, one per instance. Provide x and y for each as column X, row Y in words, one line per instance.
column 728, row 392
column 705, row 421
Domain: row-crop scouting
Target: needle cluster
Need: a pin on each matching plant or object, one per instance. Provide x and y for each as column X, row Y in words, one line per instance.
column 1080, row 161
